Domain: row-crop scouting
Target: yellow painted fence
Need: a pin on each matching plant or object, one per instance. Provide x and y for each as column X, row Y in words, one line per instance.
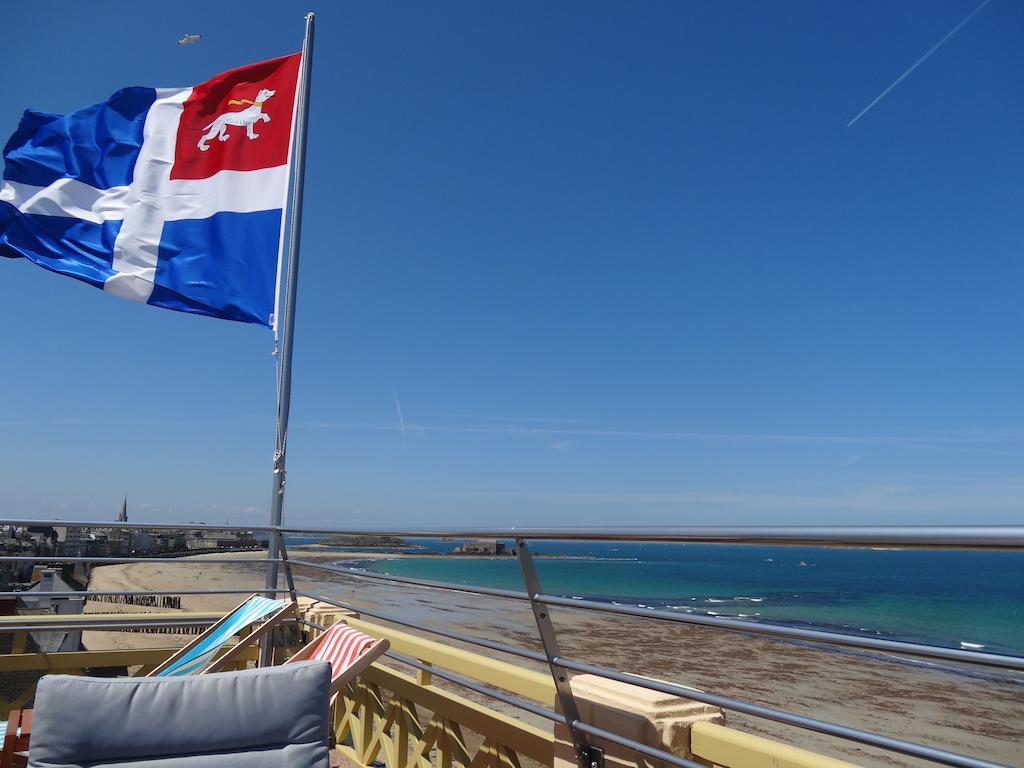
column 406, row 720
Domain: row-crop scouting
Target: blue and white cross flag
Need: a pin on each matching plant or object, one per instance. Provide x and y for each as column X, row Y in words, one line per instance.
column 172, row 197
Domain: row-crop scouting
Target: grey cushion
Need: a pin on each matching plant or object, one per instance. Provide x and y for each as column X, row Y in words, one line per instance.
column 257, row 718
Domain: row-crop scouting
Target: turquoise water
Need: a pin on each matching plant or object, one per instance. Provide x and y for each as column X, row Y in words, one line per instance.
column 941, row 598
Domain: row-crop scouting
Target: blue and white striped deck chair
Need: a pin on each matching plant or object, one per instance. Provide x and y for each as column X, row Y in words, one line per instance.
column 199, row 656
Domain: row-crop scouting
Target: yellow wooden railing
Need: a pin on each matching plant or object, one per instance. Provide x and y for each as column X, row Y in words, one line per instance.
column 405, row 720
column 732, row 748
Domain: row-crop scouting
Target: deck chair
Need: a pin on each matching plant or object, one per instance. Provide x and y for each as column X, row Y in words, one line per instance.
column 348, row 650
column 198, row 657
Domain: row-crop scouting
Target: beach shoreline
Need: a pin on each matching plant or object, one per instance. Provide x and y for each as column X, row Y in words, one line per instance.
column 949, row 599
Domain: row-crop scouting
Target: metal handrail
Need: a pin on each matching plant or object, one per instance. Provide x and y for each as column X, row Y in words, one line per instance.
column 108, row 625
column 103, row 524
column 949, row 536
column 447, row 586
column 929, row 536
column 86, row 594
column 844, row 732
column 824, row 637
column 796, row 633
column 788, row 718
column 182, row 559
column 493, row 645
column 945, row 537
column 528, row 706
column 780, row 716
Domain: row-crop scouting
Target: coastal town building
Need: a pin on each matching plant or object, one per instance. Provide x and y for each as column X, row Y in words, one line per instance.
column 220, row 540
column 113, row 541
column 480, row 547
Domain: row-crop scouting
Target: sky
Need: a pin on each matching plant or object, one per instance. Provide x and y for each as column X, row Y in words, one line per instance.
column 615, row 263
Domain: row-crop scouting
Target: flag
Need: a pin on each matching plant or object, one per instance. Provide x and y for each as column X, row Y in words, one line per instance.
column 173, row 197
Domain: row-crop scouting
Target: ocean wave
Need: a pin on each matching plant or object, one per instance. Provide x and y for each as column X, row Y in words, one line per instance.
column 971, row 646
column 364, row 564
column 352, row 565
column 750, row 599
column 714, row 600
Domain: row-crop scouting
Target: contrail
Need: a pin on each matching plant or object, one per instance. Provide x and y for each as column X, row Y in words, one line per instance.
column 948, row 442
column 919, row 62
column 401, row 421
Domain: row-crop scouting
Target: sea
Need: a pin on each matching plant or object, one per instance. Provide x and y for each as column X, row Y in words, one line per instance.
column 958, row 599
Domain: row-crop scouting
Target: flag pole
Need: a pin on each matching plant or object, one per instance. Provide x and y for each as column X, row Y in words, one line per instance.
column 288, row 328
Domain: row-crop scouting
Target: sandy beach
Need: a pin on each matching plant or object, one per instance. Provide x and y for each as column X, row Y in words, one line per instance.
column 966, row 711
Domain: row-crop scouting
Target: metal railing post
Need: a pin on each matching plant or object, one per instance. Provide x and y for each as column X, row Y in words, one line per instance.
column 288, row 576
column 587, row 755
column 273, row 555
column 275, row 544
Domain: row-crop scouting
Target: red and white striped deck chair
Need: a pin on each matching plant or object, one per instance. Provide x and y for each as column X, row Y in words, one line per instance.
column 348, row 650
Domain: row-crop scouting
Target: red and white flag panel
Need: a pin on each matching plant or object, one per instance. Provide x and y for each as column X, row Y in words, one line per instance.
column 173, row 197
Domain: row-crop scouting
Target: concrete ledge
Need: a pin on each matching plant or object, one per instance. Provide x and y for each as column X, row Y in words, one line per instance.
column 320, row 613
column 656, row 719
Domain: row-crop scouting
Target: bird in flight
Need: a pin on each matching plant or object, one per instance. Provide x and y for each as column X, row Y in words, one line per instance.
column 189, row 39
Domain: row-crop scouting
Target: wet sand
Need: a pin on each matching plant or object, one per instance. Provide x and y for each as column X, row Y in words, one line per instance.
column 966, row 711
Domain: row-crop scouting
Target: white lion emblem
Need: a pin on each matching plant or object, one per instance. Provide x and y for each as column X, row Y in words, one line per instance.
column 247, row 117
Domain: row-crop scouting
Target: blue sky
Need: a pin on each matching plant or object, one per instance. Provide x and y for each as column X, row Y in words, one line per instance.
column 619, row 262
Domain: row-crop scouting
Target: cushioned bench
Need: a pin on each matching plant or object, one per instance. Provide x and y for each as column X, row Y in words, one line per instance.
column 275, row 717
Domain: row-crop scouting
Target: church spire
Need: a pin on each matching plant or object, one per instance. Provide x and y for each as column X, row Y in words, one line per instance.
column 123, row 517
